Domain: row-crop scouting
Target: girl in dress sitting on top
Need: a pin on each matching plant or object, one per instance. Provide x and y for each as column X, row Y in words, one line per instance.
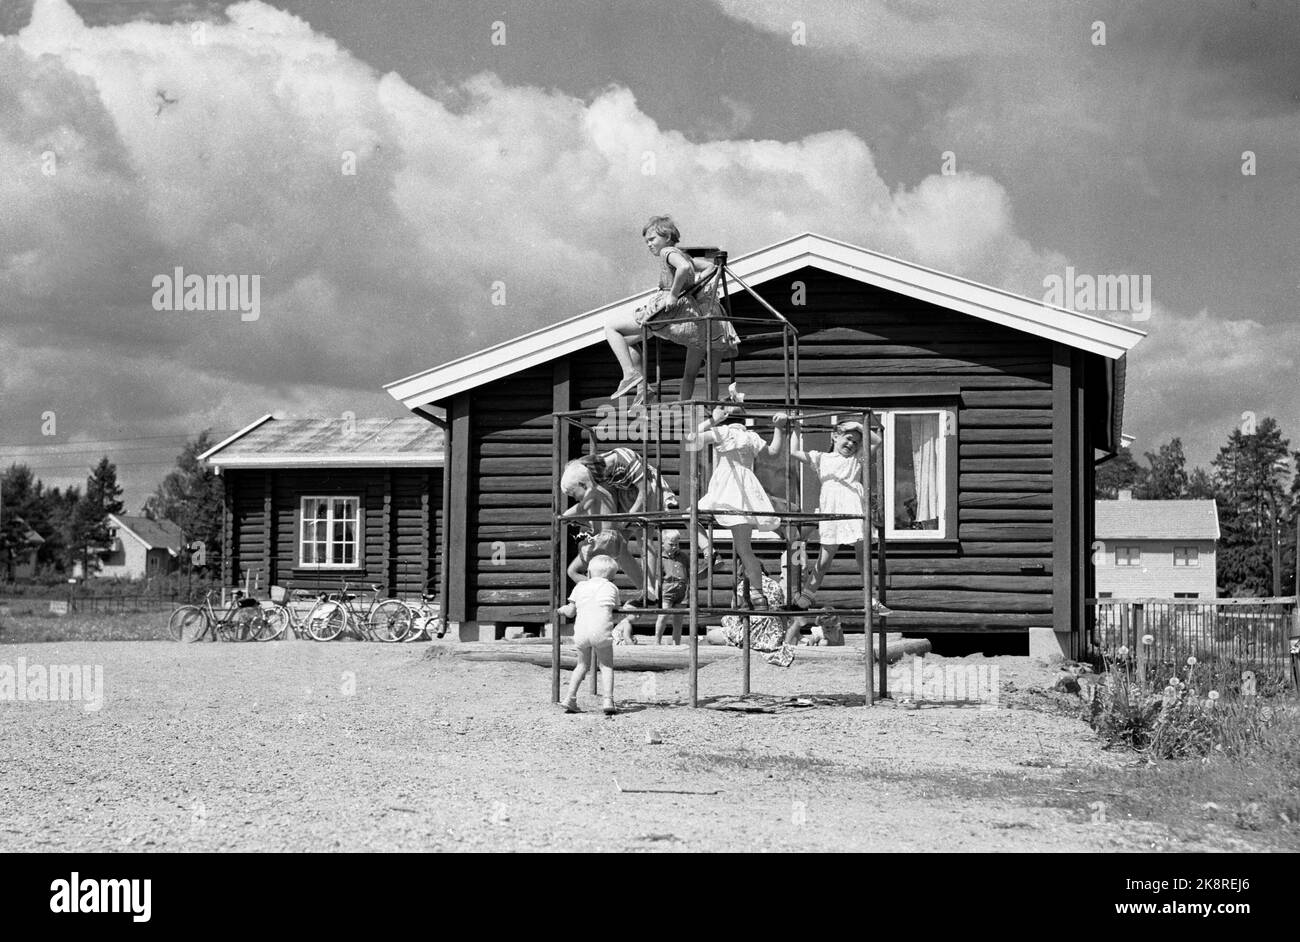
column 678, row 275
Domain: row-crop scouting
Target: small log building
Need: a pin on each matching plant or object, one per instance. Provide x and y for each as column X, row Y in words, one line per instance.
column 313, row 502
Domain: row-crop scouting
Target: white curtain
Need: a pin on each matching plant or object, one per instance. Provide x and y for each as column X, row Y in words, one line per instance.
column 925, row 465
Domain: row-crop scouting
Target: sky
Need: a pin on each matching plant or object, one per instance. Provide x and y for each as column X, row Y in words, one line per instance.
column 507, row 143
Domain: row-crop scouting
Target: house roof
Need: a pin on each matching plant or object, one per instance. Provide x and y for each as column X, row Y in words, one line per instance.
column 154, row 534
column 31, row 537
column 1081, row 331
column 1157, row 520
column 406, row 442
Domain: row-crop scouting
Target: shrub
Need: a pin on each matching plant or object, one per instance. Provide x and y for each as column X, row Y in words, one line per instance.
column 1176, row 721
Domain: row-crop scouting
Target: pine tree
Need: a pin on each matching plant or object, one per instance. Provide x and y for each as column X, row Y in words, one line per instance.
column 17, row 496
column 90, row 528
column 1200, row 486
column 191, row 496
column 1251, row 497
column 60, row 507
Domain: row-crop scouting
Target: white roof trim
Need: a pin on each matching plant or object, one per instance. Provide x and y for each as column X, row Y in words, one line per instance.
column 329, row 460
column 1082, row 331
column 234, row 438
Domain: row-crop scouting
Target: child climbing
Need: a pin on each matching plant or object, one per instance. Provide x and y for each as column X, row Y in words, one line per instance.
column 839, row 472
column 735, row 496
column 593, row 498
column 679, row 274
column 591, row 605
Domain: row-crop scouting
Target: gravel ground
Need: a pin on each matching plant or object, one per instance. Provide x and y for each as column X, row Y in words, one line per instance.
column 297, row 746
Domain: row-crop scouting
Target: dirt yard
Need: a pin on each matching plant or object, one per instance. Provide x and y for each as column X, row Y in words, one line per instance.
column 350, row 746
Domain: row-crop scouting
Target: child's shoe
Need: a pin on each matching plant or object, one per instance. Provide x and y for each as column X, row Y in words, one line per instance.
column 608, row 707
column 630, row 382
column 758, row 603
column 804, row 599
column 879, row 610
column 571, row 705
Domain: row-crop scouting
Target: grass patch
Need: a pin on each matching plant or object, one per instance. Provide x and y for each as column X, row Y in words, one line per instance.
column 33, row 627
column 1257, row 795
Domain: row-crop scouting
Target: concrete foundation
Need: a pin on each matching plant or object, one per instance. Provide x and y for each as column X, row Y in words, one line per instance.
column 1046, row 644
column 477, row 631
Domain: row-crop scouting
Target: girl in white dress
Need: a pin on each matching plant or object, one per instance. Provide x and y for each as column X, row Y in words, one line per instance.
column 735, row 496
column 840, row 473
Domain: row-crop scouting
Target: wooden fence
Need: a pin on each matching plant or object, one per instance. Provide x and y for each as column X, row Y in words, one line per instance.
column 1226, row 636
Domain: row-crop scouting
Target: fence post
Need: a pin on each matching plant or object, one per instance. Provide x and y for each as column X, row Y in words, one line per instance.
column 1139, row 624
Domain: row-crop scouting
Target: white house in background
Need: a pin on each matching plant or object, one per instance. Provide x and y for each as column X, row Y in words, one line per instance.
column 140, row 547
column 1156, row 548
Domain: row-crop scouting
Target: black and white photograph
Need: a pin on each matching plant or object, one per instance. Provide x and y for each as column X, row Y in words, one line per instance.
column 689, row 426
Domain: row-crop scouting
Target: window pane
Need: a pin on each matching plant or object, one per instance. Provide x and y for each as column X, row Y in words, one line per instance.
column 917, row 467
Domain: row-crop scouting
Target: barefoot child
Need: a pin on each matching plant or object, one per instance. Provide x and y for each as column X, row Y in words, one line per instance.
column 678, row 274
column 675, row 577
column 591, row 605
column 840, row 473
column 601, row 543
column 735, row 495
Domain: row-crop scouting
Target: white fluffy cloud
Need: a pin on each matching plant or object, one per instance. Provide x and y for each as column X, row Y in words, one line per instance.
column 224, row 157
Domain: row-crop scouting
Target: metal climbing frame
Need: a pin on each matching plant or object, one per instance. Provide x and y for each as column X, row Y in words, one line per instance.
column 695, row 466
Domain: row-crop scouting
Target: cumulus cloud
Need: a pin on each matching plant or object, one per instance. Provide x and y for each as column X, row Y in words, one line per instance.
column 1195, row 374
column 226, row 156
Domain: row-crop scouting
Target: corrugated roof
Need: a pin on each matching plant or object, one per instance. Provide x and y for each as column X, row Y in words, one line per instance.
column 157, row 534
column 333, row 442
column 1157, row 520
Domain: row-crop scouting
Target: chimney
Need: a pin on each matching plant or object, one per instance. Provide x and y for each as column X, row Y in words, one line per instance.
column 1126, row 494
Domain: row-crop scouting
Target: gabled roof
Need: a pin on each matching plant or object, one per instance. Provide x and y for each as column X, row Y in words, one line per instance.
column 408, row 442
column 154, row 534
column 30, row 537
column 1081, row 331
column 1157, row 520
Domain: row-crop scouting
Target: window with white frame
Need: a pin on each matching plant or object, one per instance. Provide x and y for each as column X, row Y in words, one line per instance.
column 330, row 533
column 1186, row 556
column 1128, row 556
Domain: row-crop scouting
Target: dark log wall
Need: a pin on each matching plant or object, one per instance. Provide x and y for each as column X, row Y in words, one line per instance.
column 401, row 517
column 857, row 343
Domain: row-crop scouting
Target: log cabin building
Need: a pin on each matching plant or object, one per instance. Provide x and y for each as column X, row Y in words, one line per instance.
column 995, row 409
column 310, row 503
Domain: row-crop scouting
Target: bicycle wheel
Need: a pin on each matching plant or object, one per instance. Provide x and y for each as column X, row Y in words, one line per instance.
column 274, row 621
column 326, row 620
column 389, row 621
column 233, row 626
column 188, row 623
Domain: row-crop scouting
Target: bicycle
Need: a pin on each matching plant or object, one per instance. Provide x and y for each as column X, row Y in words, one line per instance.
column 282, row 616
column 388, row 621
column 243, row 620
column 426, row 619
